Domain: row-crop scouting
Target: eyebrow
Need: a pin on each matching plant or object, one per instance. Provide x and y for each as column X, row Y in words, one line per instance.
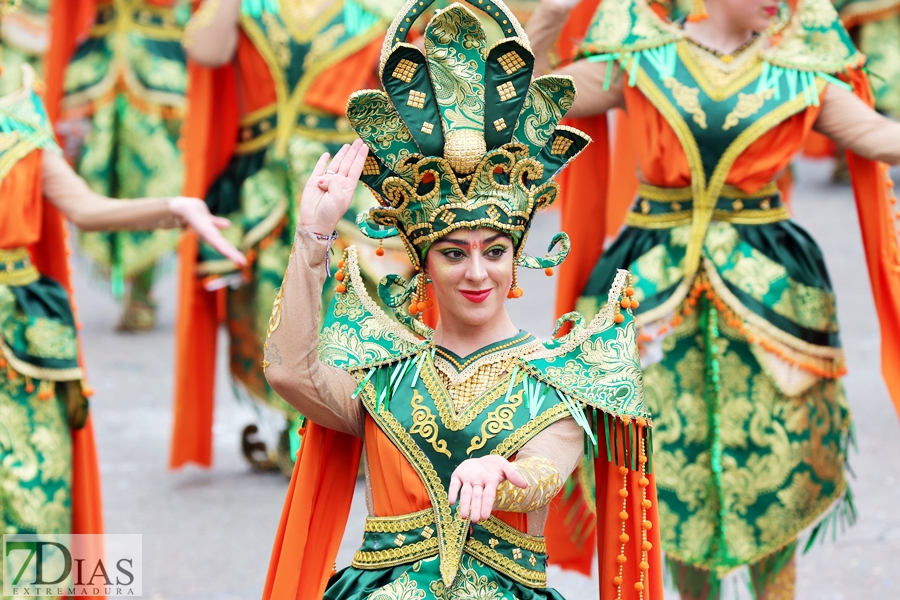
column 457, row 242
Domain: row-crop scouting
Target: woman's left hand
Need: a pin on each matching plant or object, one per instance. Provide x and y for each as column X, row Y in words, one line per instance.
column 195, row 214
column 475, row 483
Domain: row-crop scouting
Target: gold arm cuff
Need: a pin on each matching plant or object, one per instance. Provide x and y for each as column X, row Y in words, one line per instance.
column 544, row 482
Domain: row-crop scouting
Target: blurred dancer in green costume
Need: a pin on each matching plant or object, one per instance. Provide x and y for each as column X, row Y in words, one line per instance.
column 269, row 84
column 25, row 38
column 120, row 124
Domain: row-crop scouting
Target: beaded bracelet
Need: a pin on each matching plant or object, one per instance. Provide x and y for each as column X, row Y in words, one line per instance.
column 330, row 240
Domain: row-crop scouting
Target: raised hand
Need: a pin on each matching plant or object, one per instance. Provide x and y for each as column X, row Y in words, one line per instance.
column 195, row 214
column 475, row 483
column 329, row 192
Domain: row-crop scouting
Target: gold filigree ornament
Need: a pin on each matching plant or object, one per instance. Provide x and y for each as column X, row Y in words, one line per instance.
column 461, row 136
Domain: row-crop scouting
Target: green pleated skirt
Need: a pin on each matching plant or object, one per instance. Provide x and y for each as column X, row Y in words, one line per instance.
column 422, row 579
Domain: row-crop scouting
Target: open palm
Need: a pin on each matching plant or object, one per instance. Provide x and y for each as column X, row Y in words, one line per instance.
column 329, row 192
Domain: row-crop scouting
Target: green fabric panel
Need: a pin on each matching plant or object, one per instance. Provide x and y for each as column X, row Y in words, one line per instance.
column 820, row 338
column 455, row 46
column 160, row 65
column 794, row 295
column 379, row 125
column 430, row 144
column 129, row 153
column 422, row 580
column 300, row 54
column 37, row 324
column 878, row 41
column 35, row 462
column 631, row 244
column 89, row 65
column 496, row 75
column 554, row 162
column 782, row 459
column 547, row 101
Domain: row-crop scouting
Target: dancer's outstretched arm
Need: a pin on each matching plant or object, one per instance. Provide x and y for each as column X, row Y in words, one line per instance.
column 92, row 212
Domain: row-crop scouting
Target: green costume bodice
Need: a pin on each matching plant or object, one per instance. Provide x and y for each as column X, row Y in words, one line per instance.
column 133, row 45
column 716, row 123
column 298, row 43
column 592, row 375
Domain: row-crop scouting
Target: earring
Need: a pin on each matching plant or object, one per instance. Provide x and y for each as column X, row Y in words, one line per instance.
column 698, row 11
column 379, row 251
column 422, row 302
column 514, row 290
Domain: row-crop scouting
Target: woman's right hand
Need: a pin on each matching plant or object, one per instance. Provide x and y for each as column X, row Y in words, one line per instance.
column 329, row 192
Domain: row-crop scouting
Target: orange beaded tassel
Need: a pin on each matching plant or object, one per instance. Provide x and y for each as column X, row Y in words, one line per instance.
column 514, row 290
column 421, row 302
column 341, row 274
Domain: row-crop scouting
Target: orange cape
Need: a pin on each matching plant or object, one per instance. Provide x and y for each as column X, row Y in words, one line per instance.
column 70, row 21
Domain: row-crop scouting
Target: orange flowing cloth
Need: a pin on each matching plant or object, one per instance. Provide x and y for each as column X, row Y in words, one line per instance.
column 875, row 205
column 321, row 491
column 583, row 183
column 71, row 21
column 209, row 137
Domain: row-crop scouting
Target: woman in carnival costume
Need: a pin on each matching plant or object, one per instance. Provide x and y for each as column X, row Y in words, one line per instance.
column 733, row 304
column 269, row 82
column 470, row 429
column 120, row 122
column 48, row 465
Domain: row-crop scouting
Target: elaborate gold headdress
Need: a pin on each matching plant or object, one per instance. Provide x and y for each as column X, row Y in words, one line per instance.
column 461, row 136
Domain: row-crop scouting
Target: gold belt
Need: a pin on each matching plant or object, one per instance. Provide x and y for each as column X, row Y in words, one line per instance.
column 16, row 268
column 391, row 541
column 665, row 208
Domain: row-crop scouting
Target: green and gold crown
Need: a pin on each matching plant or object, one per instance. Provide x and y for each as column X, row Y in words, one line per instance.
column 461, row 136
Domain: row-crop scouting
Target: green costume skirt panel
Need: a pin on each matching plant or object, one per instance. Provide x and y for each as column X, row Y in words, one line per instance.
column 40, row 399
column 745, row 456
column 131, row 149
column 131, row 154
column 422, row 580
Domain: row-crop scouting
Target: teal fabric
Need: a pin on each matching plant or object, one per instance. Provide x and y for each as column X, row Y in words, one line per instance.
column 37, row 324
column 784, row 242
column 422, row 580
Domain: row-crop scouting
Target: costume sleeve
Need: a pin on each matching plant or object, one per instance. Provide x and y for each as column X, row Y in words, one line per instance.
column 319, row 391
column 545, row 462
column 92, row 212
column 853, row 125
column 211, row 36
column 543, row 29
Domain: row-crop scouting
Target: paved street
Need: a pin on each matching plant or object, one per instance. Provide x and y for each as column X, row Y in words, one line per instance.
column 207, row 535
